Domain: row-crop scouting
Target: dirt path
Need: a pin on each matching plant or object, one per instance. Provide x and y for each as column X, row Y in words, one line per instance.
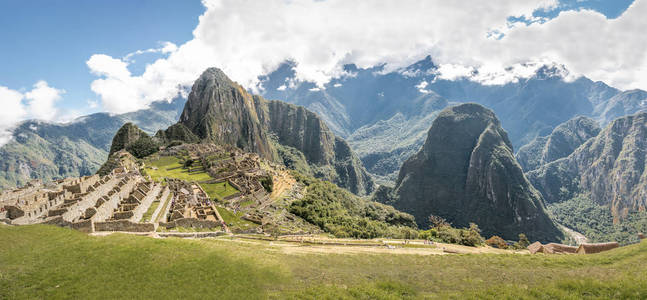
column 578, row 237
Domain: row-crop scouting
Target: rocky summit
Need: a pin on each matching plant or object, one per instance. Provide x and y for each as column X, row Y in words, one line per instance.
column 466, row 172
column 609, row 169
column 221, row 111
column 564, row 139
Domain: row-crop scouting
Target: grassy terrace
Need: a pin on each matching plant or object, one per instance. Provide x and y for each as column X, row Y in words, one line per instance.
column 171, row 166
column 50, row 262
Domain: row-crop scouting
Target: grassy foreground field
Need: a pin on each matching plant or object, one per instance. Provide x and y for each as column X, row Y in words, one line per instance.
column 49, row 262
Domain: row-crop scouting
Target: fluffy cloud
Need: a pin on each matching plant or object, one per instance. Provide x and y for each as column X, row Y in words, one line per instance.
column 38, row 103
column 248, row 38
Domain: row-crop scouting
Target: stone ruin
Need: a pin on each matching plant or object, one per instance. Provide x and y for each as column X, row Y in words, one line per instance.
column 191, row 207
column 89, row 204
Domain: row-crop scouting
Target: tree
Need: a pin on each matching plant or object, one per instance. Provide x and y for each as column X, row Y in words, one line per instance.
column 496, row 242
column 523, row 242
column 437, row 221
column 188, row 163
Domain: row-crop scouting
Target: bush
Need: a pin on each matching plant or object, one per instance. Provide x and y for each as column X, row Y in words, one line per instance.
column 343, row 214
column 496, row 242
column 447, row 234
column 143, row 147
column 523, row 242
column 267, row 182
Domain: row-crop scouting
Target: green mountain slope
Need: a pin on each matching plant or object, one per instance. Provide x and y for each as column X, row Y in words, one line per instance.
column 48, row 151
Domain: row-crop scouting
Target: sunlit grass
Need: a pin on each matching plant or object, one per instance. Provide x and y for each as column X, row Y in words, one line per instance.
column 50, row 262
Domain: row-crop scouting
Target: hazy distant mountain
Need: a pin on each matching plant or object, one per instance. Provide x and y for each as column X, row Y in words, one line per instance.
column 622, row 104
column 387, row 105
column 42, row 150
column 564, row 139
column 466, row 172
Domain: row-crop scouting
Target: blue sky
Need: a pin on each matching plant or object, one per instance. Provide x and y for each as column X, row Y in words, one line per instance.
column 52, row 40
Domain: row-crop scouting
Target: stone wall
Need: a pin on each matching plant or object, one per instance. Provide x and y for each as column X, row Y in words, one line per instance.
column 124, row 225
column 191, row 223
column 77, row 209
column 104, row 211
column 146, row 203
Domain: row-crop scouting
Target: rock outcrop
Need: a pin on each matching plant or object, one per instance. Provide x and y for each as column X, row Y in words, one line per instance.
column 609, row 168
column 564, row 139
column 221, row 111
column 127, row 135
column 466, row 172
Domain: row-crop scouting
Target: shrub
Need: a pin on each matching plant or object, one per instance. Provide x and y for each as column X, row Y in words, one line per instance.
column 143, row 147
column 267, row 182
column 523, row 242
column 496, row 242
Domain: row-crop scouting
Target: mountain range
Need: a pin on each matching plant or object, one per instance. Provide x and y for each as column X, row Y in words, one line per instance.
column 370, row 106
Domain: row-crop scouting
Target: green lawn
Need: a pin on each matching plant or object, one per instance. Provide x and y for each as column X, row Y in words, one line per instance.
column 149, row 213
column 164, row 163
column 164, row 208
column 234, row 220
column 219, row 190
column 47, row 262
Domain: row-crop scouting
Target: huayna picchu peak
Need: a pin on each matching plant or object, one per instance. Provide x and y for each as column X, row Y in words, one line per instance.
column 221, row 111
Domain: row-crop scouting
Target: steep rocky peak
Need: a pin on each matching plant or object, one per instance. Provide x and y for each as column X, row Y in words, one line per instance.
column 470, row 120
column 466, row 172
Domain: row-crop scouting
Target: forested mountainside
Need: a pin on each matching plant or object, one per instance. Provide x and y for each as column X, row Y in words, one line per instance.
column 41, row 150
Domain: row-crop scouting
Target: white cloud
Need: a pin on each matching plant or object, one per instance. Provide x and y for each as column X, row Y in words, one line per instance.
column 39, row 103
column 421, row 87
column 248, row 38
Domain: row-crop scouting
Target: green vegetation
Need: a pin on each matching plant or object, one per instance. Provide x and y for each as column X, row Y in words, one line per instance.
column 446, row 234
column 343, row 214
column 50, row 262
column 234, row 220
column 165, row 207
column 143, row 147
column 171, row 166
column 219, row 190
column 267, row 182
column 596, row 222
column 149, row 213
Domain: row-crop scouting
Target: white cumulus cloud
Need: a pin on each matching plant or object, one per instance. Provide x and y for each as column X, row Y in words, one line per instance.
column 248, row 38
column 38, row 103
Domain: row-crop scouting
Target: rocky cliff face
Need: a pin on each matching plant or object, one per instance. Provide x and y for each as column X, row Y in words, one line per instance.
column 466, row 172
column 564, row 139
column 221, row 111
column 609, row 169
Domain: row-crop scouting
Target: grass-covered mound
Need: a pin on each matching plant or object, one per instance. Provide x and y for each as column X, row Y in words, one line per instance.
column 51, row 262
